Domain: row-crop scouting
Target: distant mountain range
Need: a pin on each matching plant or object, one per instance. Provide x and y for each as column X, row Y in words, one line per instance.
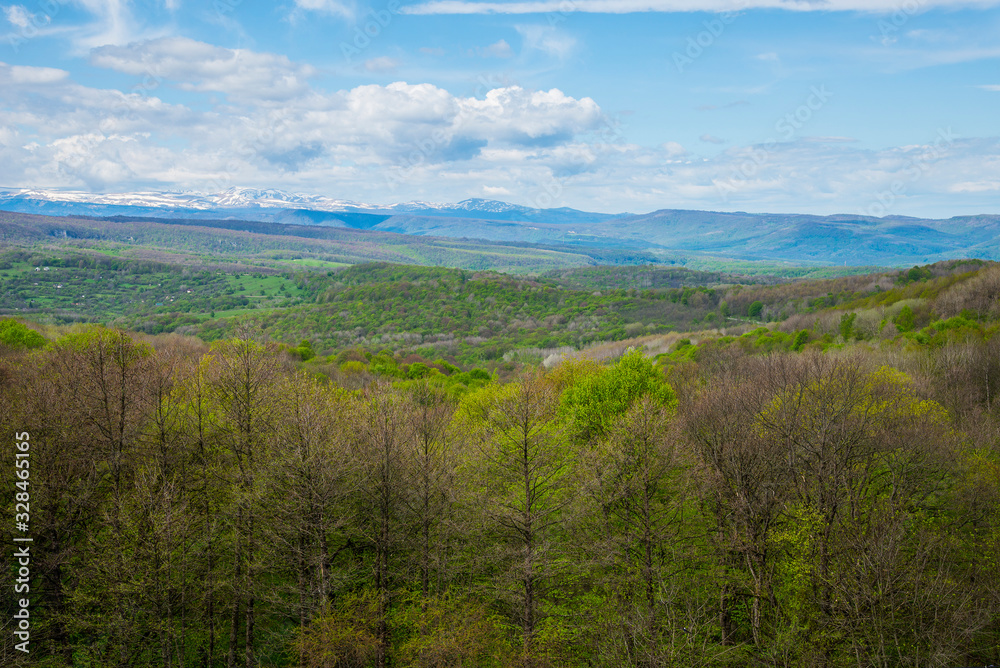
column 800, row 239
column 269, row 205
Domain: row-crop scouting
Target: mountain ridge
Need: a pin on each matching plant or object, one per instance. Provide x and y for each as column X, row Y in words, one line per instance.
column 666, row 233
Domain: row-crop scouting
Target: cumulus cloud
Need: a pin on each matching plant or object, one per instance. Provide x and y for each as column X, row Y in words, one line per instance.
column 72, row 135
column 410, row 140
column 633, row 6
column 203, row 67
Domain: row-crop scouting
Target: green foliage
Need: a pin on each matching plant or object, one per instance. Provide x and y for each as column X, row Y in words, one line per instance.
column 755, row 309
column 847, row 325
column 832, row 508
column 449, row 630
column 904, row 320
column 596, row 402
column 801, row 338
column 17, row 335
column 915, row 274
column 304, row 350
column 417, row 370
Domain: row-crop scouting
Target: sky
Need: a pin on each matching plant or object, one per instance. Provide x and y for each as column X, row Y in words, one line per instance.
column 875, row 107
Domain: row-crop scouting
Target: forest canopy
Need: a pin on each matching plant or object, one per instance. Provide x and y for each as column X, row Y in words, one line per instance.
column 724, row 504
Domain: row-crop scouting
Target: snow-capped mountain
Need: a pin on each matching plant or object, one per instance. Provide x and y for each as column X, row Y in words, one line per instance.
column 254, row 203
column 231, row 198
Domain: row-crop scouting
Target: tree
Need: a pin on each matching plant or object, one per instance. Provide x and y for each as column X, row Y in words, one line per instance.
column 431, row 464
column 244, row 390
column 905, row 319
column 865, row 452
column 520, row 471
column 621, row 417
column 746, row 478
column 107, row 377
column 383, row 438
column 597, row 401
column 847, row 325
column 310, row 484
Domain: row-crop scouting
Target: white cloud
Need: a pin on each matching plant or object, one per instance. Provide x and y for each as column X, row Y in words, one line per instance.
column 203, row 67
column 112, row 24
column 528, row 117
column 547, row 39
column 975, row 187
column 24, row 74
column 105, row 139
column 381, row 64
column 500, row 49
column 410, row 141
column 991, row 87
column 712, row 139
column 17, row 16
column 559, row 7
column 346, row 10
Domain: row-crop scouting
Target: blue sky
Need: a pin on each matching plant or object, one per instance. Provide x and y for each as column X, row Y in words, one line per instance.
column 844, row 106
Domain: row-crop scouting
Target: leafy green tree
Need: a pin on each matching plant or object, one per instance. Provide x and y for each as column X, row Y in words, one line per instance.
column 521, row 473
column 847, row 325
column 905, row 319
column 801, row 339
column 596, row 402
column 17, row 335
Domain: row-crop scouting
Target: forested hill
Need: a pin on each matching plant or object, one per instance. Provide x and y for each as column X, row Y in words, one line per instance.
column 657, row 236
column 829, row 497
column 248, row 243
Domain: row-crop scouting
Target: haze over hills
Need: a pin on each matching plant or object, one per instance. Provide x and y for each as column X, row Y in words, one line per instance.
column 801, row 239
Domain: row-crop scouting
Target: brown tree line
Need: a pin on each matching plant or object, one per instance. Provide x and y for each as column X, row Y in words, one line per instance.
column 196, row 506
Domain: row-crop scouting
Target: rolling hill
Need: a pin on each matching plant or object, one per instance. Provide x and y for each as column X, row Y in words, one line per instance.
column 661, row 236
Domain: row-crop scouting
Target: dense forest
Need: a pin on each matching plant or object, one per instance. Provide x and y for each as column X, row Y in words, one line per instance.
column 823, row 490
